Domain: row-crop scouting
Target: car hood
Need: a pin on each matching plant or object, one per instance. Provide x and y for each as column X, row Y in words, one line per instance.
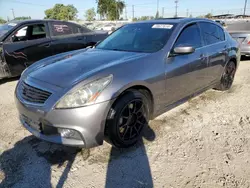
column 68, row 69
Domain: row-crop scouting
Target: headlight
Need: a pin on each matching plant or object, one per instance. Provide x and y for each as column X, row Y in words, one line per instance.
column 84, row 94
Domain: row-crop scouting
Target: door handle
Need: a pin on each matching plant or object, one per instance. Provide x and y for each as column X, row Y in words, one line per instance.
column 46, row 45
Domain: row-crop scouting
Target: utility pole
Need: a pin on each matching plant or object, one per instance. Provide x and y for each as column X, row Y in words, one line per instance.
column 126, row 17
column 162, row 12
column 13, row 13
column 187, row 13
column 245, row 7
column 133, row 12
column 116, row 9
column 157, row 6
column 176, row 8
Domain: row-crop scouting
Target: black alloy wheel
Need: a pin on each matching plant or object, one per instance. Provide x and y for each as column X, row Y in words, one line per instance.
column 127, row 119
column 227, row 77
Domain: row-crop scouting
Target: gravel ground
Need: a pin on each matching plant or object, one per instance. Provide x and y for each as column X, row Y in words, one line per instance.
column 202, row 143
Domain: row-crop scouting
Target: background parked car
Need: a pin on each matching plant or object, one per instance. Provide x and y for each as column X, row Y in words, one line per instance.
column 25, row 42
column 241, row 33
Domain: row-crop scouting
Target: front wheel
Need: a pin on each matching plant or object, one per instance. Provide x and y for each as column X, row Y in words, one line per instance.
column 227, row 77
column 126, row 119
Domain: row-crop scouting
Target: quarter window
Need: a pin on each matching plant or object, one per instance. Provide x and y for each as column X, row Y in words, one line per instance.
column 190, row 36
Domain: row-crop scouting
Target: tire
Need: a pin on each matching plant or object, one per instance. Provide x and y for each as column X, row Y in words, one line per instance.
column 126, row 119
column 227, row 77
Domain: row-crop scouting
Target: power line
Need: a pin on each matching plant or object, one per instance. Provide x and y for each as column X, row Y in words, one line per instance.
column 21, row 2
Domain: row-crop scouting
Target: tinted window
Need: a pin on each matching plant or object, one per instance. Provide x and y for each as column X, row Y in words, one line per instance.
column 221, row 33
column 38, row 30
column 30, row 32
column 141, row 37
column 212, row 33
column 60, row 28
column 190, row 36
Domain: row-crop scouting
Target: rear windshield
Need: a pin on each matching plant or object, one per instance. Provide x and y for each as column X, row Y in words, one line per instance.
column 141, row 37
column 6, row 27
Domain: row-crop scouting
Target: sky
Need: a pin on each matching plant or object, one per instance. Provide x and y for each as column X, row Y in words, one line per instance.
column 35, row 8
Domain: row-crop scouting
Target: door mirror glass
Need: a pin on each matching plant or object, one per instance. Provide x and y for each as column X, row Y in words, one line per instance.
column 183, row 50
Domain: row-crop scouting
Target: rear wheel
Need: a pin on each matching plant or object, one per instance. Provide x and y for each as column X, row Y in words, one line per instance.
column 126, row 119
column 227, row 77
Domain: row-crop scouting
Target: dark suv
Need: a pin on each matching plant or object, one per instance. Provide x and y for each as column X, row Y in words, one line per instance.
column 138, row 72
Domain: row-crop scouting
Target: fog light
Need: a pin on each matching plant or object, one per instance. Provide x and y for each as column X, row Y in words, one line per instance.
column 69, row 133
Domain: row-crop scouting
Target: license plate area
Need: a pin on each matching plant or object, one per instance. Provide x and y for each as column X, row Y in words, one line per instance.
column 32, row 123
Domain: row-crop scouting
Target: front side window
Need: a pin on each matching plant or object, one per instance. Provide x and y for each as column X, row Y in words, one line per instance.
column 211, row 33
column 141, row 37
column 190, row 36
column 29, row 32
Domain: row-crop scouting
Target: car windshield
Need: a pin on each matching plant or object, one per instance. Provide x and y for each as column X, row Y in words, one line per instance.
column 141, row 37
column 6, row 27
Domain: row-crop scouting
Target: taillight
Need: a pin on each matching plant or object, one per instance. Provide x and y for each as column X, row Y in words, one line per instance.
column 248, row 42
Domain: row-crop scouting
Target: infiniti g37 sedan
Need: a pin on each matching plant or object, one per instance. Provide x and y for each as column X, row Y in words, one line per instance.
column 110, row 92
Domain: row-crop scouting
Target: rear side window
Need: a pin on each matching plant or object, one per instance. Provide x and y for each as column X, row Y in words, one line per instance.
column 79, row 29
column 190, row 36
column 212, row 33
column 61, row 29
column 221, row 33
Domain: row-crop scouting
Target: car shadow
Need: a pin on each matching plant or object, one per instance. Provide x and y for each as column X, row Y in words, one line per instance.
column 245, row 58
column 130, row 167
column 5, row 80
column 29, row 162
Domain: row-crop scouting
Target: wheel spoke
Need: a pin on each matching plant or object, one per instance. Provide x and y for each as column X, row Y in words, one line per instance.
column 131, row 131
column 137, row 131
column 139, row 109
column 126, row 130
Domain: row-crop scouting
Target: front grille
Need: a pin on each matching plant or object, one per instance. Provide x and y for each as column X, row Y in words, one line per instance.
column 32, row 94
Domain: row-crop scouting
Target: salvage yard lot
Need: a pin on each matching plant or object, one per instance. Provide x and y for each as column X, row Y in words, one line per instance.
column 202, row 143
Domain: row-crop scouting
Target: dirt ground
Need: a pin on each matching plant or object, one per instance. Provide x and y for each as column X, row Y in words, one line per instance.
column 202, row 143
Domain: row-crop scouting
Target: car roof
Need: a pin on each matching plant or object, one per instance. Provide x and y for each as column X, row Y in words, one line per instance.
column 173, row 20
column 35, row 20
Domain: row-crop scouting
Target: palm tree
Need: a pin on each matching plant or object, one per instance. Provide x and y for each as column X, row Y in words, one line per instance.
column 120, row 5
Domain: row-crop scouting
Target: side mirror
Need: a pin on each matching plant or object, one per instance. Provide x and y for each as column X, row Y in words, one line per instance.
column 183, row 50
column 98, row 42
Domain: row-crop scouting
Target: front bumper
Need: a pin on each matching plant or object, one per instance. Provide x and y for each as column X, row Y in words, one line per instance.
column 88, row 121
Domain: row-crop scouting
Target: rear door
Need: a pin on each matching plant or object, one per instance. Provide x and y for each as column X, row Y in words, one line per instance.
column 26, row 45
column 185, row 74
column 66, row 36
column 216, row 49
column 61, row 33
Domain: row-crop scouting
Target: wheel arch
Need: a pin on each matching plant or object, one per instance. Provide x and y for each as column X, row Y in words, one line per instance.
column 141, row 88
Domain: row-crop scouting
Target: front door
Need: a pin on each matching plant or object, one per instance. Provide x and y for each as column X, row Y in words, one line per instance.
column 186, row 74
column 25, row 46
